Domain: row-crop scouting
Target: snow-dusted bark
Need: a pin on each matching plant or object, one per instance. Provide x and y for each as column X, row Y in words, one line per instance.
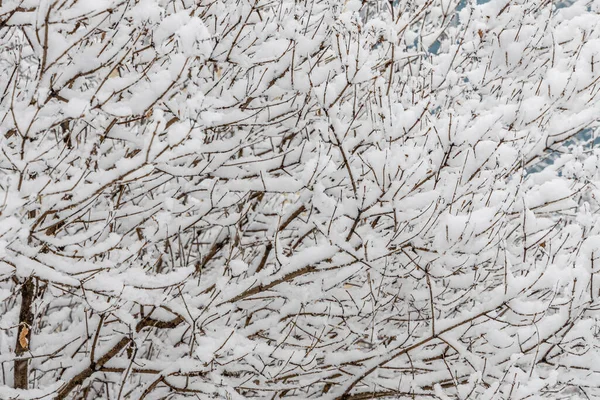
column 298, row 199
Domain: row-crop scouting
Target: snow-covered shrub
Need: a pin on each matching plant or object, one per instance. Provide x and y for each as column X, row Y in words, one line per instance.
column 296, row 199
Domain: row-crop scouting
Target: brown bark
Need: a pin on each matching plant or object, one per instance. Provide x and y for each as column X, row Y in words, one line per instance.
column 21, row 366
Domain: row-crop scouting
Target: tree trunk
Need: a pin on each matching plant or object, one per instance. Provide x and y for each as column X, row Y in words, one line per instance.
column 24, row 335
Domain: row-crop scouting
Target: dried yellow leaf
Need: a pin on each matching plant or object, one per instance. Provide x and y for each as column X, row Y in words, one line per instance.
column 23, row 341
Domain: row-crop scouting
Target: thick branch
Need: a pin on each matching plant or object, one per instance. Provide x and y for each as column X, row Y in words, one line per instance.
column 21, row 366
column 112, row 352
